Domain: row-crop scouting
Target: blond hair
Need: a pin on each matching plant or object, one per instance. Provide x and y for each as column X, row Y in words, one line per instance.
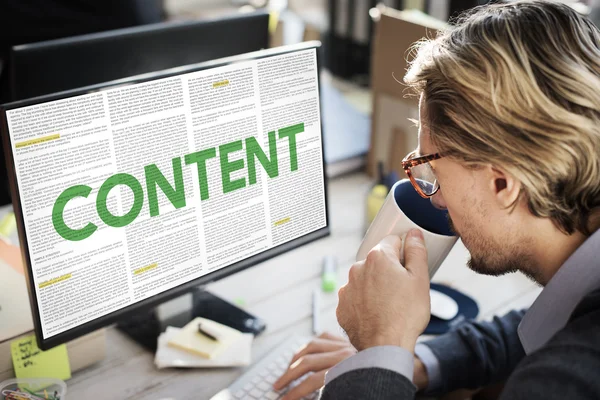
column 518, row 86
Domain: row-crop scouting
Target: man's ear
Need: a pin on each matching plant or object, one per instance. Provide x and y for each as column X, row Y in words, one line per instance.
column 504, row 186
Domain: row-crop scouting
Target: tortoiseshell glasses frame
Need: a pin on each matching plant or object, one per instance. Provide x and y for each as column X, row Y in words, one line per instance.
column 410, row 161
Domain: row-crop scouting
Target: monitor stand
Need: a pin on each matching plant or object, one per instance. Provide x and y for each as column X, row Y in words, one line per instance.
column 145, row 326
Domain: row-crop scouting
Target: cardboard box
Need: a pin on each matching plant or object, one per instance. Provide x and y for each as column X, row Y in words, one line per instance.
column 393, row 135
column 289, row 27
column 311, row 32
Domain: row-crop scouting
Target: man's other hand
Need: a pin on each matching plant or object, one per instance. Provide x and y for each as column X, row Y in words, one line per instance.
column 384, row 302
column 317, row 357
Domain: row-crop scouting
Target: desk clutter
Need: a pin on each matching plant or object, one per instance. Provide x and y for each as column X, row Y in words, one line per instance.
column 40, row 374
column 203, row 343
column 33, row 389
column 31, row 362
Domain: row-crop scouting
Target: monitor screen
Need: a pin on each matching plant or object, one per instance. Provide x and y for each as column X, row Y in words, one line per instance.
column 130, row 195
column 52, row 66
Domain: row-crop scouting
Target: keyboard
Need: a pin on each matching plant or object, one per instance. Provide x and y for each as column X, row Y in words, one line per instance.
column 257, row 381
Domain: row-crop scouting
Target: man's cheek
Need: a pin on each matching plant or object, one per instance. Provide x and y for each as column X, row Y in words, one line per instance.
column 453, row 220
column 451, row 224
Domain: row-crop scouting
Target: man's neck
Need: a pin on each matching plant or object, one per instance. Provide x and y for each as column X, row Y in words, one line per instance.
column 552, row 248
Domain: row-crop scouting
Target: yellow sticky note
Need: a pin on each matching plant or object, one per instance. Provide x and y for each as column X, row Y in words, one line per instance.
column 8, row 224
column 273, row 21
column 31, row 362
column 189, row 339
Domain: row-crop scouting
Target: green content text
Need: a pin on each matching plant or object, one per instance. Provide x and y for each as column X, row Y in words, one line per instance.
column 175, row 193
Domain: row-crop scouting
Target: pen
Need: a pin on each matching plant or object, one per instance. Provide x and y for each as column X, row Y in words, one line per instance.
column 316, row 307
column 207, row 332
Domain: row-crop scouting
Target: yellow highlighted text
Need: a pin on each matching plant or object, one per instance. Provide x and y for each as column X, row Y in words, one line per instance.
column 43, row 139
column 221, row 83
column 282, row 221
column 145, row 269
column 55, row 280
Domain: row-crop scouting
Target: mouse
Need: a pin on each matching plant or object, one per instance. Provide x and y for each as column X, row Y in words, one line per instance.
column 442, row 305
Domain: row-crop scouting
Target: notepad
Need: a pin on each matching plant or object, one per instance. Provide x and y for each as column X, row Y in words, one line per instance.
column 237, row 355
column 189, row 339
column 31, row 362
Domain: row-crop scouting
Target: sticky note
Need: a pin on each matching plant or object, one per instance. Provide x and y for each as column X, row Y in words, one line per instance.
column 273, row 21
column 189, row 339
column 31, row 362
column 11, row 255
column 8, row 224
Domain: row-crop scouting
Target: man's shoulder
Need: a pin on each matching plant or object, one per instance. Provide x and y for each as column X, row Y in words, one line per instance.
column 583, row 327
column 587, row 308
column 566, row 366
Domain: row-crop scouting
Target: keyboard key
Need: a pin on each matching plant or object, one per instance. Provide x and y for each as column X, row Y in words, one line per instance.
column 277, row 373
column 280, row 368
column 257, row 383
column 281, row 363
column 272, row 395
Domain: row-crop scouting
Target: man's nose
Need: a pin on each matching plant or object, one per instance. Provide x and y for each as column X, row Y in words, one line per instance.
column 438, row 200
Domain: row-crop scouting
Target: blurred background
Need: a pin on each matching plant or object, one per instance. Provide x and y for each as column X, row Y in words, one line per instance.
column 365, row 44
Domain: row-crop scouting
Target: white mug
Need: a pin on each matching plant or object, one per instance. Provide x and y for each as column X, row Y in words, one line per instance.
column 403, row 210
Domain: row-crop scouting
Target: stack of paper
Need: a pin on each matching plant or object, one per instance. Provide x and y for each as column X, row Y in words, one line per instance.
column 186, row 347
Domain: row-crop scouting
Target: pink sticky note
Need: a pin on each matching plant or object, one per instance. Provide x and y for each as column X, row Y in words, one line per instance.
column 11, row 255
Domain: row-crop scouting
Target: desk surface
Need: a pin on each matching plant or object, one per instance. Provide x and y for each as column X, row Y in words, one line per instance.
column 280, row 292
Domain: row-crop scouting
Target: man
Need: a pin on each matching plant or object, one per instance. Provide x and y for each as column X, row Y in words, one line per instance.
column 510, row 109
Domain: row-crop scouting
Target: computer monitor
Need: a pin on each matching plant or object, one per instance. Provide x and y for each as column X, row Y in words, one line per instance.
column 130, row 194
column 56, row 65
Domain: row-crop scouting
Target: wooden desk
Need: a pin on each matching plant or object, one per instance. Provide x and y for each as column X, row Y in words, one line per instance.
column 279, row 291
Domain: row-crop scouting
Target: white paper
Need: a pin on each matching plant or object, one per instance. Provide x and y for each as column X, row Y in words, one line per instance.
column 238, row 354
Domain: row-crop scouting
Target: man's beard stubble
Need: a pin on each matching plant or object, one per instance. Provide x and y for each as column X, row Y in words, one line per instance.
column 485, row 260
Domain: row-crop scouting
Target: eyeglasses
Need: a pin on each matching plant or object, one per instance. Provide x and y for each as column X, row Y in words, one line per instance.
column 421, row 173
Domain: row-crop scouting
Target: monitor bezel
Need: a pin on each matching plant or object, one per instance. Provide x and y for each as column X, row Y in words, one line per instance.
column 153, row 301
column 128, row 34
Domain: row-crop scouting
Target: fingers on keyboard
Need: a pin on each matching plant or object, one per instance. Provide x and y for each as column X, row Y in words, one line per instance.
column 259, row 384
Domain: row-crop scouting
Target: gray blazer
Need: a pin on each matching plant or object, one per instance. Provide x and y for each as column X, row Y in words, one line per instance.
column 480, row 354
